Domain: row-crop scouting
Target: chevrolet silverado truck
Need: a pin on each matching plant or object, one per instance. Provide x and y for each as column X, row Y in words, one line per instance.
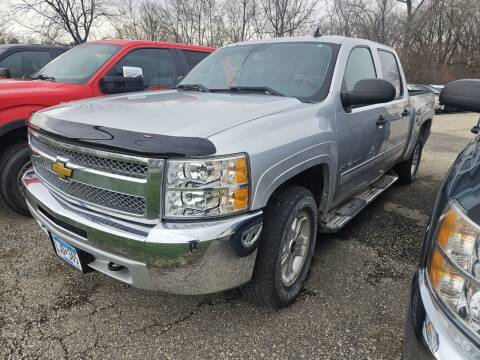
column 225, row 181
column 93, row 69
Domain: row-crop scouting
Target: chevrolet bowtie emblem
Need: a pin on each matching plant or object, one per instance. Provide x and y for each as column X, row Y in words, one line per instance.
column 61, row 170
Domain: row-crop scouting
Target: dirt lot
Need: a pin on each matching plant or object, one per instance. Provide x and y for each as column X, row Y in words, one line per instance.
column 353, row 305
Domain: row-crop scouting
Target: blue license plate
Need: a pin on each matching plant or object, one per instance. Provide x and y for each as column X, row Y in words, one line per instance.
column 66, row 252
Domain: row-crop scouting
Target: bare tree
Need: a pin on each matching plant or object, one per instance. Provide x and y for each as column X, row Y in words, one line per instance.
column 239, row 23
column 286, row 17
column 58, row 19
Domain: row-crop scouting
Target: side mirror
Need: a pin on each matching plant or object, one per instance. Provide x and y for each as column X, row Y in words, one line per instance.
column 132, row 80
column 132, row 72
column 462, row 94
column 4, row 73
column 369, row 92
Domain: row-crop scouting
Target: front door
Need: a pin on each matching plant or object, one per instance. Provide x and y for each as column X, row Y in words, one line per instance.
column 361, row 131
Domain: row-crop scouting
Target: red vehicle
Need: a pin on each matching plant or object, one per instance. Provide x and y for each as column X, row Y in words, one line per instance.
column 93, row 69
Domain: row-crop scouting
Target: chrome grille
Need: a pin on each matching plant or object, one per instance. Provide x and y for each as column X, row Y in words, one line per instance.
column 120, row 185
column 122, row 202
column 91, row 161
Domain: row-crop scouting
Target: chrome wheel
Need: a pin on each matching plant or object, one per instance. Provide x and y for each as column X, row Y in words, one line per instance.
column 417, row 153
column 295, row 248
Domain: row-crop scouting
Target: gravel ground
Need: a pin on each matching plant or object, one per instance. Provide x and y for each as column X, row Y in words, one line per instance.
column 353, row 305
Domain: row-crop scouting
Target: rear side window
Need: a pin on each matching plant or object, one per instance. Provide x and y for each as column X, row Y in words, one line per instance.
column 360, row 66
column 156, row 64
column 390, row 70
column 194, row 57
column 25, row 62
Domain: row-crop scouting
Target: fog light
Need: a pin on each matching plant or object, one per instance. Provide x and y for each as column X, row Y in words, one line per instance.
column 430, row 335
column 250, row 236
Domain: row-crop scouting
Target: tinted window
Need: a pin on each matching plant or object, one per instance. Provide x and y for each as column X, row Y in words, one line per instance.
column 194, row 57
column 292, row 69
column 156, row 66
column 14, row 64
column 390, row 70
column 34, row 60
column 79, row 64
column 360, row 66
column 25, row 62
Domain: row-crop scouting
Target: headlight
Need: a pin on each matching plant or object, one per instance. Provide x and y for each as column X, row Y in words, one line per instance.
column 454, row 265
column 206, row 187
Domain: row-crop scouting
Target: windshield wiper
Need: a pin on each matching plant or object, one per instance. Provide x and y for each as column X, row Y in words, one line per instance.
column 198, row 87
column 42, row 77
column 262, row 89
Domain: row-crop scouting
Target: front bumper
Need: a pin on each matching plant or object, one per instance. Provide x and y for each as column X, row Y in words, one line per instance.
column 174, row 257
column 451, row 341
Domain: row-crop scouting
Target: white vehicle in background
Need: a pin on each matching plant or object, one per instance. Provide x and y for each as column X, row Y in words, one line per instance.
column 424, row 88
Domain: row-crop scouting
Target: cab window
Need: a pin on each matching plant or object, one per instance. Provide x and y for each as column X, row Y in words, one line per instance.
column 360, row 66
column 25, row 62
column 194, row 57
column 390, row 70
column 156, row 64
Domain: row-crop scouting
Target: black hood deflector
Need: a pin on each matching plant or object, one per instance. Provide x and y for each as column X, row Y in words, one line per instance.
column 123, row 141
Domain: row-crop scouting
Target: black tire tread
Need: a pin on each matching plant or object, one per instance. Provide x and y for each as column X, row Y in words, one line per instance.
column 278, row 211
column 12, row 155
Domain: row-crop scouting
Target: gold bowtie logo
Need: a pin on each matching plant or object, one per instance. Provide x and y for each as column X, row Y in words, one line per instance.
column 62, row 170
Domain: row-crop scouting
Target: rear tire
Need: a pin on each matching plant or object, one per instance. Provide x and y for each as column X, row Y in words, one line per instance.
column 286, row 248
column 407, row 170
column 13, row 163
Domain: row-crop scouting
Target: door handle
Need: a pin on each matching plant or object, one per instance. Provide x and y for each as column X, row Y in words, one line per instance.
column 381, row 121
column 405, row 112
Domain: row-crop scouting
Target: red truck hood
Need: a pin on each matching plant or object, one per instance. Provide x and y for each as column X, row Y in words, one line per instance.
column 28, row 92
column 27, row 85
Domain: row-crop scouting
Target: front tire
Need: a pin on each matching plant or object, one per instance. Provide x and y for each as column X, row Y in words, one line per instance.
column 286, row 248
column 13, row 163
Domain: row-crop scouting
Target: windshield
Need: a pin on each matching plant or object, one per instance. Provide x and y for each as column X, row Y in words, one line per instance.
column 298, row 70
column 77, row 65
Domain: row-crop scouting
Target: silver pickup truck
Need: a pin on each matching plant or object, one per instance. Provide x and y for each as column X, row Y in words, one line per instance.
column 225, row 181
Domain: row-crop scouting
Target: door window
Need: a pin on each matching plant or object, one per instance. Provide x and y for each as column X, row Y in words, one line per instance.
column 360, row 66
column 34, row 60
column 25, row 62
column 156, row 66
column 390, row 70
column 194, row 57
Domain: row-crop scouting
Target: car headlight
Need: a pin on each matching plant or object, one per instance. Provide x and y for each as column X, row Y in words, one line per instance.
column 454, row 265
column 206, row 187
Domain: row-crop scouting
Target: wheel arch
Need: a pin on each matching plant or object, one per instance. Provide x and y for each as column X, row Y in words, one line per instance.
column 12, row 132
column 316, row 175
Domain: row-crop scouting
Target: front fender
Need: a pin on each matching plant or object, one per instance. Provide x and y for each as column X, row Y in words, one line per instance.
column 285, row 169
column 13, row 113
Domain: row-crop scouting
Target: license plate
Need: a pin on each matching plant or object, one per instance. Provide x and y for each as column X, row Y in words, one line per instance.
column 66, row 252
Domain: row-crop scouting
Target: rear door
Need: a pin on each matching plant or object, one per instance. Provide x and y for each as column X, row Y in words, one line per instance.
column 399, row 109
column 361, row 137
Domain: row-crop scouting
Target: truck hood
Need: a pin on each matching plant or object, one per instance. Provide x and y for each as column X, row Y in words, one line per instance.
column 171, row 113
column 162, row 123
column 8, row 86
column 26, row 92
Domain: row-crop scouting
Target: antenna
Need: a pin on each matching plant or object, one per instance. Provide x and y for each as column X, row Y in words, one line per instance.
column 317, row 33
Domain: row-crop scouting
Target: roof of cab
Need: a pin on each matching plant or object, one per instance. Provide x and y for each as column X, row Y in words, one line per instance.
column 32, row 46
column 335, row 39
column 154, row 43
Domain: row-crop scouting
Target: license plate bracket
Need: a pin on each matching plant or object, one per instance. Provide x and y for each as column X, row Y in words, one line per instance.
column 74, row 257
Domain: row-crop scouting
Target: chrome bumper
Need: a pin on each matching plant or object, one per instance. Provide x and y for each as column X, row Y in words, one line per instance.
column 174, row 257
column 451, row 342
